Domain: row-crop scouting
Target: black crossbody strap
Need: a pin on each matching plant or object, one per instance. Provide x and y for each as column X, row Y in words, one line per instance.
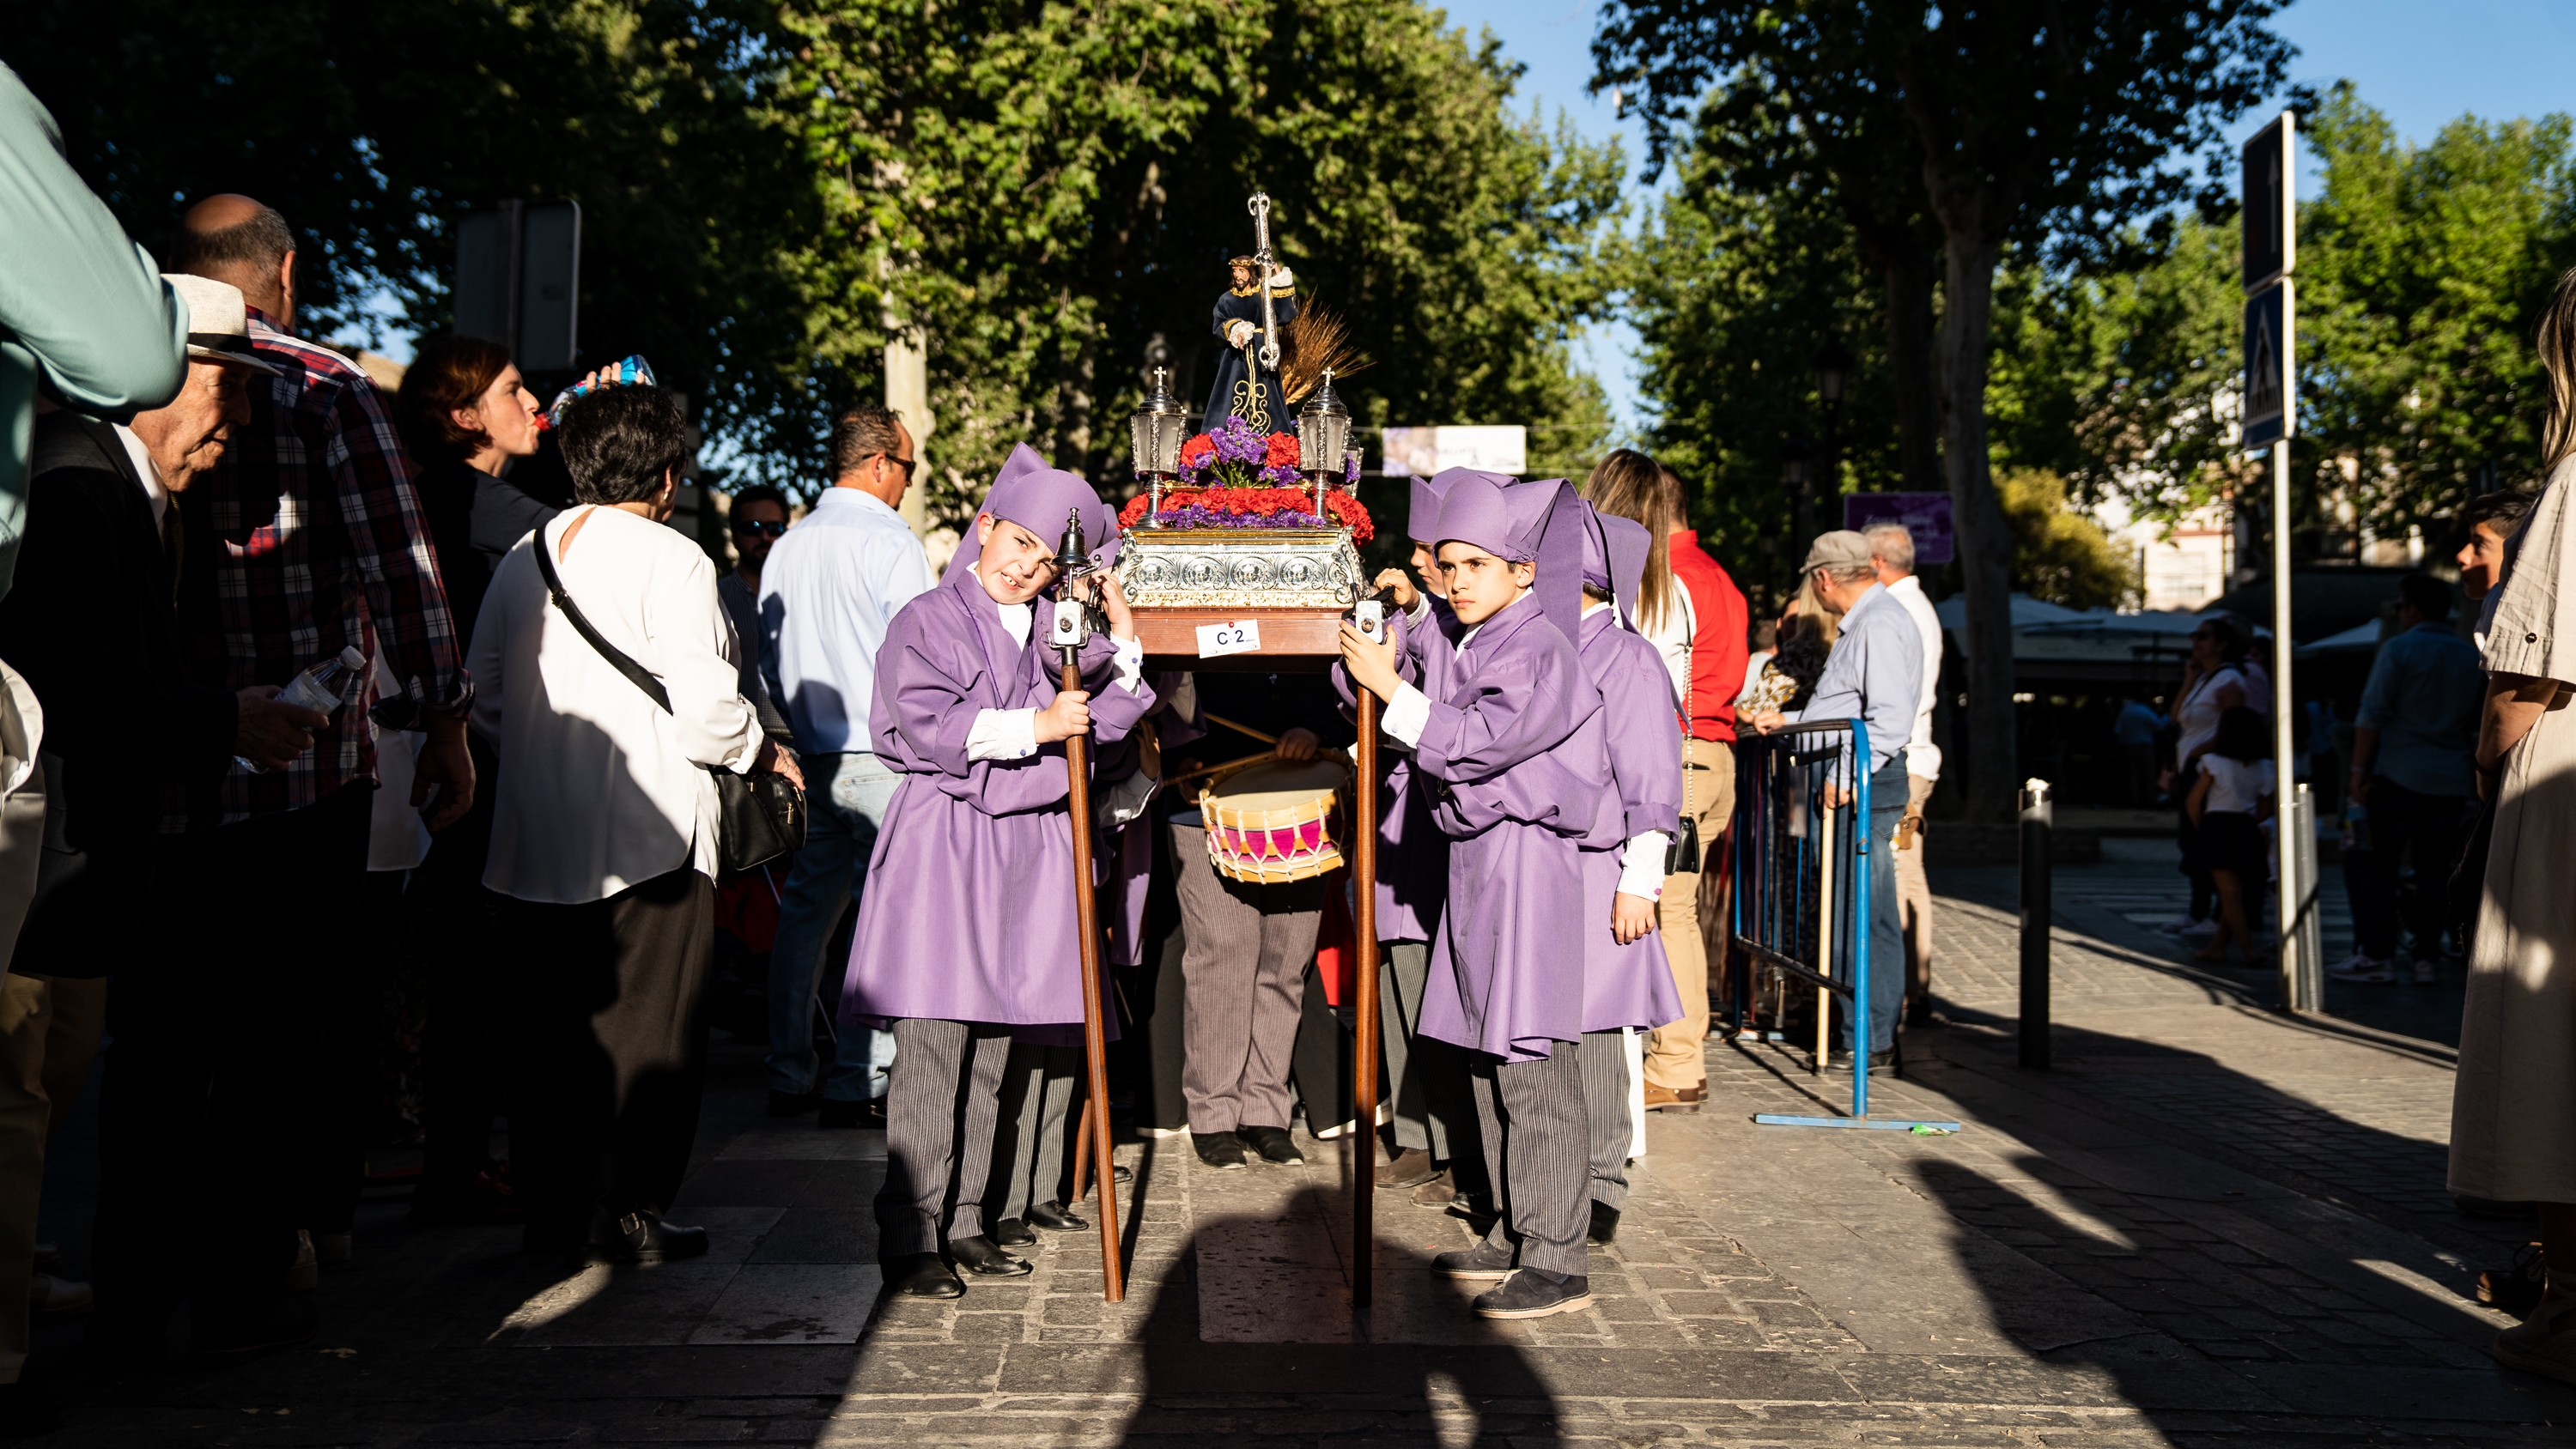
column 636, row 673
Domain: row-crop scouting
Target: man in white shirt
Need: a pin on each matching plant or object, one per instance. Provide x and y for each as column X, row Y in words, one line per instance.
column 1891, row 552
column 827, row 592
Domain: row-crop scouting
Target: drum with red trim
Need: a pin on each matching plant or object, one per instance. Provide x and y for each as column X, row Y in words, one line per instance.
column 1277, row 822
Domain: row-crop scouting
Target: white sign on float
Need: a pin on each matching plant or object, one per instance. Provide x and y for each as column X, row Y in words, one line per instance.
column 1421, row 452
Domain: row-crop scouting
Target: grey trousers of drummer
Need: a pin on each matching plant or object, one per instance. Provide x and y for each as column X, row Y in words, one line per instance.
column 1605, row 1114
column 1531, row 1114
column 941, row 1107
column 1244, row 957
column 1029, row 1137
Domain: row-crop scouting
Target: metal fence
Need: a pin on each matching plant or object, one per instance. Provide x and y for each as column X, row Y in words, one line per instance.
column 1801, row 913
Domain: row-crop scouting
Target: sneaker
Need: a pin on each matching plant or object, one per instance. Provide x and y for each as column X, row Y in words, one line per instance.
column 2197, row 929
column 2358, row 967
column 1530, row 1293
column 1483, row 1261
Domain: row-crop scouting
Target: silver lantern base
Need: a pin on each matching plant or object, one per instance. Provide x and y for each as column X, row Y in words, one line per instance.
column 1239, row 568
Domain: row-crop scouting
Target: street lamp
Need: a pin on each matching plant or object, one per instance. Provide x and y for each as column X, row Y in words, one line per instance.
column 1157, row 431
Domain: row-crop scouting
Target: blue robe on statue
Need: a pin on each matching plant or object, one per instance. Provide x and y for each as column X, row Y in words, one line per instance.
column 1267, row 411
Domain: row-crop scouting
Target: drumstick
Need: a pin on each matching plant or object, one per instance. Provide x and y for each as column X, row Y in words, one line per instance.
column 1228, row 765
column 1239, row 729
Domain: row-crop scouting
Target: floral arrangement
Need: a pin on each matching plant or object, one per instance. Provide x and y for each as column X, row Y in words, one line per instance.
column 1232, row 455
column 1252, row 508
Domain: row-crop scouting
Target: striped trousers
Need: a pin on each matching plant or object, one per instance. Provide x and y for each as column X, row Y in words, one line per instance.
column 1531, row 1114
column 941, row 1105
column 1604, row 1056
column 1028, row 1145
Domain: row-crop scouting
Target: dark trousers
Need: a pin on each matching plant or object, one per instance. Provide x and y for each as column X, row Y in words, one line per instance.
column 1246, row 950
column 228, row 1070
column 943, row 1102
column 607, row 1034
column 1029, row 1133
column 462, row 1057
column 1531, row 1116
column 2426, row 827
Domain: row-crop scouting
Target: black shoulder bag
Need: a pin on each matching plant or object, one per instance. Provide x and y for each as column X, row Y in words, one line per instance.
column 760, row 817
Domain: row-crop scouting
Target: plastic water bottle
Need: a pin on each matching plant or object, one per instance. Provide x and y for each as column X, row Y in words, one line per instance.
column 324, row 687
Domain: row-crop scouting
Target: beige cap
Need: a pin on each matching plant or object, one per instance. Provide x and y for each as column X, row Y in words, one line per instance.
column 1840, row 549
column 218, row 323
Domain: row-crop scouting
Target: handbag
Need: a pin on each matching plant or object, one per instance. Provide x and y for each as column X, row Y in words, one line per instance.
column 759, row 817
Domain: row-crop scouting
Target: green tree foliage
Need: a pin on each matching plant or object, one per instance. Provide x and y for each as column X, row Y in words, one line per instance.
column 2059, row 553
column 1037, row 190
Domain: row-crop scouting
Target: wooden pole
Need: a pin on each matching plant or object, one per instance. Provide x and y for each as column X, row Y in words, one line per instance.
column 1082, row 1154
column 1365, row 1059
column 1086, row 920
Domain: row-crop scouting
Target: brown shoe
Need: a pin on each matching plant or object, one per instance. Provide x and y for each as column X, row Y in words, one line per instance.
column 1411, row 1168
column 1666, row 1099
column 1439, row 1192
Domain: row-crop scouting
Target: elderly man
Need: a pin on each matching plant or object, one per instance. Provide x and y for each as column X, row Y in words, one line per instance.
column 1874, row 675
column 827, row 592
column 106, row 528
column 1891, row 552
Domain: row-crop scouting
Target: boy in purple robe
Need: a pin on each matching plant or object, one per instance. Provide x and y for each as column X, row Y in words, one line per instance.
column 1627, row 984
column 1505, row 734
column 967, row 930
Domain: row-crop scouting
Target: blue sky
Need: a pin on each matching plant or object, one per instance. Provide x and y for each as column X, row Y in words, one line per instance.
column 2496, row 58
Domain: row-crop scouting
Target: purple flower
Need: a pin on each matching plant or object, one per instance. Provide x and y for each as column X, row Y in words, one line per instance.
column 1351, row 470
column 1197, row 517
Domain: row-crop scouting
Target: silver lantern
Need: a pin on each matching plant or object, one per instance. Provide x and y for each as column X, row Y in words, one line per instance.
column 1159, row 427
column 1323, row 432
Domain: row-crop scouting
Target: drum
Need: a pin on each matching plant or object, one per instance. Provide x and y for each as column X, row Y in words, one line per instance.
column 1276, row 822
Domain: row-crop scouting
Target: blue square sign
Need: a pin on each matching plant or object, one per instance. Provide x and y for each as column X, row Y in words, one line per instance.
column 2271, row 366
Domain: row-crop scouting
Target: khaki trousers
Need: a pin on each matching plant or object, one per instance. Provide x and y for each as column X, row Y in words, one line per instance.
column 1673, row 1059
column 1914, row 897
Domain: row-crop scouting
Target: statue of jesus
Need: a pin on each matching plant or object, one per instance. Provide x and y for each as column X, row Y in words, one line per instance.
column 1243, row 386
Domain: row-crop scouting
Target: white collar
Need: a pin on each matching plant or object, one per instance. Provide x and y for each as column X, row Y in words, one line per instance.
column 143, row 469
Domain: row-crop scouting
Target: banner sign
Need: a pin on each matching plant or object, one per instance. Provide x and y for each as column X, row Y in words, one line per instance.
column 1925, row 515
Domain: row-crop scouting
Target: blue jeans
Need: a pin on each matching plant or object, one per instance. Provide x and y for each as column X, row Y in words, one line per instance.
column 846, row 798
column 1887, row 793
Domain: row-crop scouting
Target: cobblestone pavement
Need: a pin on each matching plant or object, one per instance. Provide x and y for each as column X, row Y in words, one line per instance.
column 2206, row 1225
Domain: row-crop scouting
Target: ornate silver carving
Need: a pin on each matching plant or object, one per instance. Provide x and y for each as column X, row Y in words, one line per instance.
column 1251, row 568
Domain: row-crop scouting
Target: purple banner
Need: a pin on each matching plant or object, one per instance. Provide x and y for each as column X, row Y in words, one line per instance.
column 1925, row 515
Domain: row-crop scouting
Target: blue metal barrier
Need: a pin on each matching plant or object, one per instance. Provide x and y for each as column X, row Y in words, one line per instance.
column 1802, row 895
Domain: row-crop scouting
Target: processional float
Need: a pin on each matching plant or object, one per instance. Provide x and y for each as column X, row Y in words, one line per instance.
column 1241, row 553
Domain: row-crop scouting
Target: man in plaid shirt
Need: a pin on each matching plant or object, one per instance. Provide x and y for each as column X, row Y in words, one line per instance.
column 247, row 1032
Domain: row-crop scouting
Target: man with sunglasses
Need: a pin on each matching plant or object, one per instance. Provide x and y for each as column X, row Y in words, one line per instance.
column 827, row 590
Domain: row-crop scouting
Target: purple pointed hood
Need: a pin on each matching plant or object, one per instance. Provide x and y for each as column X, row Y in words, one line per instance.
column 1614, row 558
column 1423, row 525
column 1539, row 523
column 1037, row 497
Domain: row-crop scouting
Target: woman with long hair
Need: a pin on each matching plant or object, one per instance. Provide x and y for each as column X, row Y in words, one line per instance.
column 1695, row 617
column 2513, row 1109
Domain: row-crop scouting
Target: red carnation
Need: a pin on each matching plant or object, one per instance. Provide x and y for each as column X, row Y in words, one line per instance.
column 1283, row 451
column 1197, row 451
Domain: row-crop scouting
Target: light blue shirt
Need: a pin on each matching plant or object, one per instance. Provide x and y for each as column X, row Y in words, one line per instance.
column 2425, row 692
column 831, row 586
column 1875, row 674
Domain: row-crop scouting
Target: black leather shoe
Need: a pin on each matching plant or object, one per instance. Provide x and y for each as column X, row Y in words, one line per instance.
column 922, row 1275
column 838, row 1114
column 642, row 1237
column 792, row 1104
column 1605, row 1224
column 1274, row 1144
column 984, row 1259
column 1483, row 1261
column 1220, row 1150
column 1013, row 1233
column 1056, row 1218
column 220, row 1342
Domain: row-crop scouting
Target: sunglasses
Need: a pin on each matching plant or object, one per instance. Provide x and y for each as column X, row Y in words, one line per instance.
column 759, row 527
column 904, row 463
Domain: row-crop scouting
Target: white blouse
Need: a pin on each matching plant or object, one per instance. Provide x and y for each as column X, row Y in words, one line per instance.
column 600, row 788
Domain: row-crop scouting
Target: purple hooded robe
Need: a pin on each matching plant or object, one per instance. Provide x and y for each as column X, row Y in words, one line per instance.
column 1631, row 985
column 969, row 912
column 1511, row 755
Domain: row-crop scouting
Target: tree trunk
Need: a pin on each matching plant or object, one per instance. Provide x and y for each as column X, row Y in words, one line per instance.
column 1985, row 542
column 1909, row 359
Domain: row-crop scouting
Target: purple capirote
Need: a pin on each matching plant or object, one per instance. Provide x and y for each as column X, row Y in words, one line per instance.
column 969, row 912
column 1630, row 985
column 1538, row 523
column 1513, row 751
column 1423, row 520
column 1037, row 497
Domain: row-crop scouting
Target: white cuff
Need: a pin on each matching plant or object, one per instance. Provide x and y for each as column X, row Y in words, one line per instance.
column 1003, row 734
column 1129, row 661
column 1406, row 715
column 1421, row 609
column 1641, row 865
column 1124, row 801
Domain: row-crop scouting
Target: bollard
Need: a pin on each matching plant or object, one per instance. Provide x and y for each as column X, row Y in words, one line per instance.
column 2036, row 819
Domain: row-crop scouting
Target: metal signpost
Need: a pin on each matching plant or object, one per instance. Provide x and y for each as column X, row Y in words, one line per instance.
column 518, row 281
column 2271, row 233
